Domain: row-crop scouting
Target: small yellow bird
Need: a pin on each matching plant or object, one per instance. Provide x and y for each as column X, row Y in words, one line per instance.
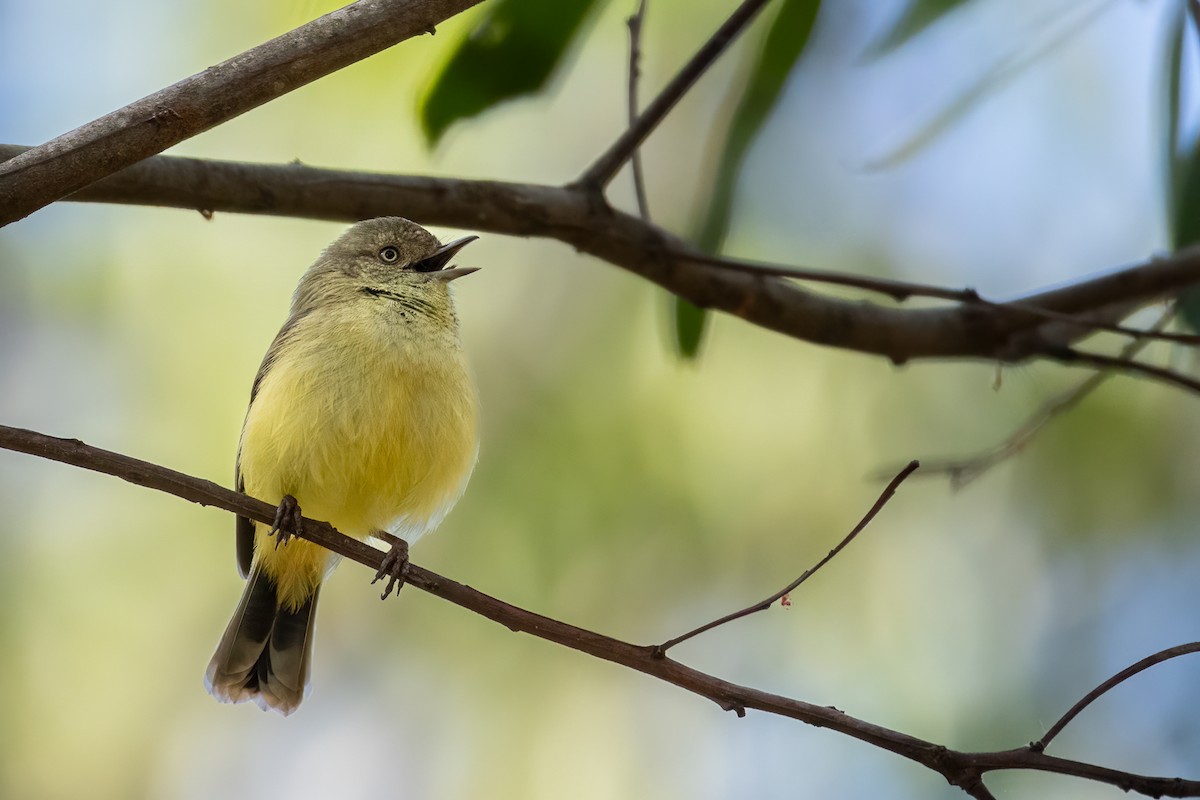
column 364, row 414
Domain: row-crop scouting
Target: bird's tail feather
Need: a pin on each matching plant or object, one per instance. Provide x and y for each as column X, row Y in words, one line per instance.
column 265, row 652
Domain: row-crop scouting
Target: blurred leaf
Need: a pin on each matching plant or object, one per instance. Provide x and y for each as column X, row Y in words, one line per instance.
column 1186, row 230
column 1183, row 170
column 1054, row 29
column 1174, row 83
column 784, row 43
column 512, row 51
column 690, row 322
column 919, row 15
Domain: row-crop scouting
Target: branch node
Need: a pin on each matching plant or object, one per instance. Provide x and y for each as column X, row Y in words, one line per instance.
column 592, row 193
column 163, row 114
column 734, row 706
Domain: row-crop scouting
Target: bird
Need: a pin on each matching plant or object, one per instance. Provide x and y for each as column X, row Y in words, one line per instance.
column 364, row 413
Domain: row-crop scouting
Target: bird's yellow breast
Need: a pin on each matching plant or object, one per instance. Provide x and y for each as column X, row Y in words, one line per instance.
column 368, row 423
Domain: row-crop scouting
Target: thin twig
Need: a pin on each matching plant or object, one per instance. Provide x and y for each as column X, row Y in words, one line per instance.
column 963, row 471
column 635, row 56
column 903, row 290
column 1122, row 676
column 897, row 290
column 1072, row 355
column 959, row 768
column 763, row 605
column 105, row 145
column 991, row 332
column 602, row 171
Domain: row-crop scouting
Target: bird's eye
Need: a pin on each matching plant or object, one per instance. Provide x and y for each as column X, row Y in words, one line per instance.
column 389, row 254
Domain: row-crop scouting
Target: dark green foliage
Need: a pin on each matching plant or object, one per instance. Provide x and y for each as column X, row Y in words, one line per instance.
column 690, row 322
column 1183, row 170
column 1187, row 231
column 512, row 51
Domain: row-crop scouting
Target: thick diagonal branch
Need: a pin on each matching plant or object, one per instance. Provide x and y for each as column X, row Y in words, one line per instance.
column 220, row 93
column 981, row 330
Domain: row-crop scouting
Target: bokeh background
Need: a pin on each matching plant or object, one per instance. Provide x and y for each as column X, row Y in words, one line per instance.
column 618, row 488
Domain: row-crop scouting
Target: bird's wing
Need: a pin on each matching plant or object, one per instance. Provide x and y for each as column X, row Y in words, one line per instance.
column 245, row 526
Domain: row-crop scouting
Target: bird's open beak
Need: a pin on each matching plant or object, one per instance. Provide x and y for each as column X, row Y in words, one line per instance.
column 447, row 275
column 435, row 265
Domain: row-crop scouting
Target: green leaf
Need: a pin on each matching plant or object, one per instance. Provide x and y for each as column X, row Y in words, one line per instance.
column 690, row 322
column 918, row 16
column 1187, row 232
column 512, row 51
column 1175, row 166
column 1183, row 170
column 1051, row 32
column 784, row 43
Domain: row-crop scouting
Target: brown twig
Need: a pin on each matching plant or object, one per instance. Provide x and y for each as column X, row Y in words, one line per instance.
column 974, row 330
column 1122, row 676
column 635, row 56
column 903, row 290
column 1071, row 355
column 963, row 471
column 897, row 290
column 959, row 768
column 101, row 147
column 766, row 603
column 610, row 162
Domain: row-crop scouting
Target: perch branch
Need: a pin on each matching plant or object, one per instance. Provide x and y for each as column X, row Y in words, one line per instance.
column 959, row 768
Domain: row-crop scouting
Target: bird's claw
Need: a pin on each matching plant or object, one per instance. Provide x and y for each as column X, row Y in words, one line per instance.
column 393, row 567
column 287, row 521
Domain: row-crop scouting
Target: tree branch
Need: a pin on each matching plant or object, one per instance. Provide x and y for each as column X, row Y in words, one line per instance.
column 635, row 55
column 964, row 470
column 1118, row 363
column 610, row 162
column 206, row 99
column 1122, row 676
column 975, row 330
column 766, row 603
column 959, row 768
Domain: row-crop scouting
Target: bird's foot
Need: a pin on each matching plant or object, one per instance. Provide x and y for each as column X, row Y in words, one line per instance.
column 287, row 521
column 394, row 566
